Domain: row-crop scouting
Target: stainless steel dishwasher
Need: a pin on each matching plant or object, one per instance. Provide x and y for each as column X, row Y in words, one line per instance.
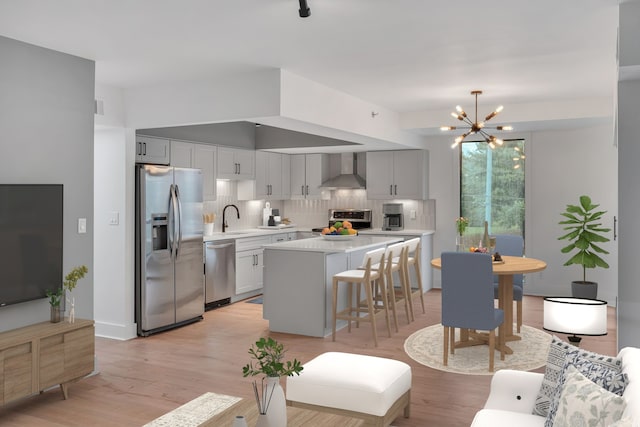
column 220, row 272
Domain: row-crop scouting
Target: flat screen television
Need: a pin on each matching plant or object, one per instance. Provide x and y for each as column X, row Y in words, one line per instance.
column 30, row 241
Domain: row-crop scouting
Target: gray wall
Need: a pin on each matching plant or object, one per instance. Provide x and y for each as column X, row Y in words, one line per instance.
column 629, row 208
column 629, row 177
column 46, row 136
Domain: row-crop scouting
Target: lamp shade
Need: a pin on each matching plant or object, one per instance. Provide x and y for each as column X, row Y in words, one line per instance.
column 575, row 316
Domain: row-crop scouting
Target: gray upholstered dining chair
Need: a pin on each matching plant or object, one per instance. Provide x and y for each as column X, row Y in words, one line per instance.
column 467, row 301
column 510, row 245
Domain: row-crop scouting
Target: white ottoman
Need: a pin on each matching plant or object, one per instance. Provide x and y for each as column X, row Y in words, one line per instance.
column 372, row 388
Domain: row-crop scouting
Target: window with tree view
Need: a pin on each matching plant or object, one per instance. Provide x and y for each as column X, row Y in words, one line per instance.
column 492, row 188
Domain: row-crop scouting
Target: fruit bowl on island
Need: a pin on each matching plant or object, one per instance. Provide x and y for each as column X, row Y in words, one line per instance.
column 339, row 231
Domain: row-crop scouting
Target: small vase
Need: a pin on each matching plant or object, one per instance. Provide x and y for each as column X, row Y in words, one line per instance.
column 263, row 421
column 276, row 415
column 56, row 314
column 459, row 243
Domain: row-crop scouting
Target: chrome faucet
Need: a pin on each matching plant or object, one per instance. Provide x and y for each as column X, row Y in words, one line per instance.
column 224, row 220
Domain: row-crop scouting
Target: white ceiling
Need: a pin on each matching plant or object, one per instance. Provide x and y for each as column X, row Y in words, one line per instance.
column 404, row 55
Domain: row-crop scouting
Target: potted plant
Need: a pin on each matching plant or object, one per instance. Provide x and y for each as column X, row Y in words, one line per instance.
column 69, row 284
column 267, row 359
column 585, row 230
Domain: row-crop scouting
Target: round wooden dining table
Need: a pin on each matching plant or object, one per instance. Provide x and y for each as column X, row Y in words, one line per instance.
column 511, row 265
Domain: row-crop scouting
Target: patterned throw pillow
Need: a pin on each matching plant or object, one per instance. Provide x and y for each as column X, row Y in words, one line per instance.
column 604, row 371
column 555, row 364
column 584, row 403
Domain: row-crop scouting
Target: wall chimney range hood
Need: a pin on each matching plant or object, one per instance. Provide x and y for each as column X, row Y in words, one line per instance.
column 348, row 178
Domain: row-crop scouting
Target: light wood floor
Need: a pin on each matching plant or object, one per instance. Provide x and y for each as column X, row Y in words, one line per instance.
column 141, row 379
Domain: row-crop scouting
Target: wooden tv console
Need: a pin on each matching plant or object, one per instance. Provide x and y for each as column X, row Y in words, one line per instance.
column 39, row 356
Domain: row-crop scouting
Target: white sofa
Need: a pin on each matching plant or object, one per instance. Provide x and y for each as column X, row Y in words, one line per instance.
column 513, row 394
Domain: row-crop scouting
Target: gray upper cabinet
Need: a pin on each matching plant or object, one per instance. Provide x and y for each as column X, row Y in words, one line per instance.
column 152, row 150
column 236, row 164
column 197, row 156
column 308, row 172
column 272, row 178
column 398, row 175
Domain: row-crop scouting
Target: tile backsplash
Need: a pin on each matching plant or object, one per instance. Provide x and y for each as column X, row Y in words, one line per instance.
column 313, row 213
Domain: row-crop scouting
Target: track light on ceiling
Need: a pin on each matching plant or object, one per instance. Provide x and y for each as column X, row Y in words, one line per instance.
column 476, row 127
column 304, row 10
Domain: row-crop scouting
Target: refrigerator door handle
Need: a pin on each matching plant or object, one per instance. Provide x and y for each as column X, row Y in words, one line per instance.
column 173, row 230
column 179, row 217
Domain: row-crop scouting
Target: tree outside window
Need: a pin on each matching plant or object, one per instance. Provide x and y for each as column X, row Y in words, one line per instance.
column 492, row 188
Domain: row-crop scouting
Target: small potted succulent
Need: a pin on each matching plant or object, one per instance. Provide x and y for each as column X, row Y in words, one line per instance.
column 584, row 231
column 267, row 360
column 56, row 296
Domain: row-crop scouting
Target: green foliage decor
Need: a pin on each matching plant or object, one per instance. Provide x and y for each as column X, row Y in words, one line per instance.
column 268, row 355
column 585, row 231
column 69, row 284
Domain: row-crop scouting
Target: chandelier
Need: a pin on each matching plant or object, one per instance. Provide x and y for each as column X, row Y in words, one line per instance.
column 476, row 127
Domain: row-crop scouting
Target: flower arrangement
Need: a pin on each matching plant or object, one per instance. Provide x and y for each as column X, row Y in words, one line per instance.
column 69, row 284
column 268, row 355
column 461, row 225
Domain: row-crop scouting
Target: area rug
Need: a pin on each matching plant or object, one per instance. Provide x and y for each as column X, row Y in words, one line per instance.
column 255, row 301
column 425, row 347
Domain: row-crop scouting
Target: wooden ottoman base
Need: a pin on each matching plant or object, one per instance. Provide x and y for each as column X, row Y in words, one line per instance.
column 400, row 407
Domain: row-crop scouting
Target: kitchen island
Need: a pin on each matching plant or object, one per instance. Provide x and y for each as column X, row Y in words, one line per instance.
column 298, row 281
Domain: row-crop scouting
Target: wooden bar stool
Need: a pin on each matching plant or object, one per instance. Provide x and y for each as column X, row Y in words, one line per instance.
column 413, row 258
column 395, row 256
column 369, row 279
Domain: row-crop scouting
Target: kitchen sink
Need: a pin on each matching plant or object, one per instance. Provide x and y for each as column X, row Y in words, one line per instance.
column 236, row 233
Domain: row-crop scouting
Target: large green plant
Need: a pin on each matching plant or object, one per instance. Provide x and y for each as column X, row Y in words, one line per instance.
column 585, row 231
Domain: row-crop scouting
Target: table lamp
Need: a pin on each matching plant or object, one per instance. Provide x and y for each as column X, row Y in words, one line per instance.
column 575, row 316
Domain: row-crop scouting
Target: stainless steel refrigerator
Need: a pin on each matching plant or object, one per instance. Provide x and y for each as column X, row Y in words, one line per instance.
column 169, row 248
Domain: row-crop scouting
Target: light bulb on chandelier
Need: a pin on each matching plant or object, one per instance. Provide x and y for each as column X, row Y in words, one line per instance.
column 476, row 127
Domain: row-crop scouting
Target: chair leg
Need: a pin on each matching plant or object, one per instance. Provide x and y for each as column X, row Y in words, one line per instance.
column 371, row 311
column 452, row 339
column 391, row 296
column 385, row 301
column 445, row 346
column 501, row 340
column 492, row 348
column 350, row 306
column 416, row 265
column 519, row 314
column 406, row 283
column 335, row 308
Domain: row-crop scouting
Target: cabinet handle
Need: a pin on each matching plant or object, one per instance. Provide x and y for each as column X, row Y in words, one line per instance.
column 307, row 190
column 139, row 149
column 395, row 187
column 391, row 190
column 302, row 190
column 144, row 148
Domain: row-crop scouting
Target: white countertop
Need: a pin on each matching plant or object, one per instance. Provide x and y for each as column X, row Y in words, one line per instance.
column 248, row 232
column 405, row 232
column 320, row 244
column 260, row 232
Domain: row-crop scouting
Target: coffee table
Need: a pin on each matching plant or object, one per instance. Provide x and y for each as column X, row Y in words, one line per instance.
column 296, row 417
